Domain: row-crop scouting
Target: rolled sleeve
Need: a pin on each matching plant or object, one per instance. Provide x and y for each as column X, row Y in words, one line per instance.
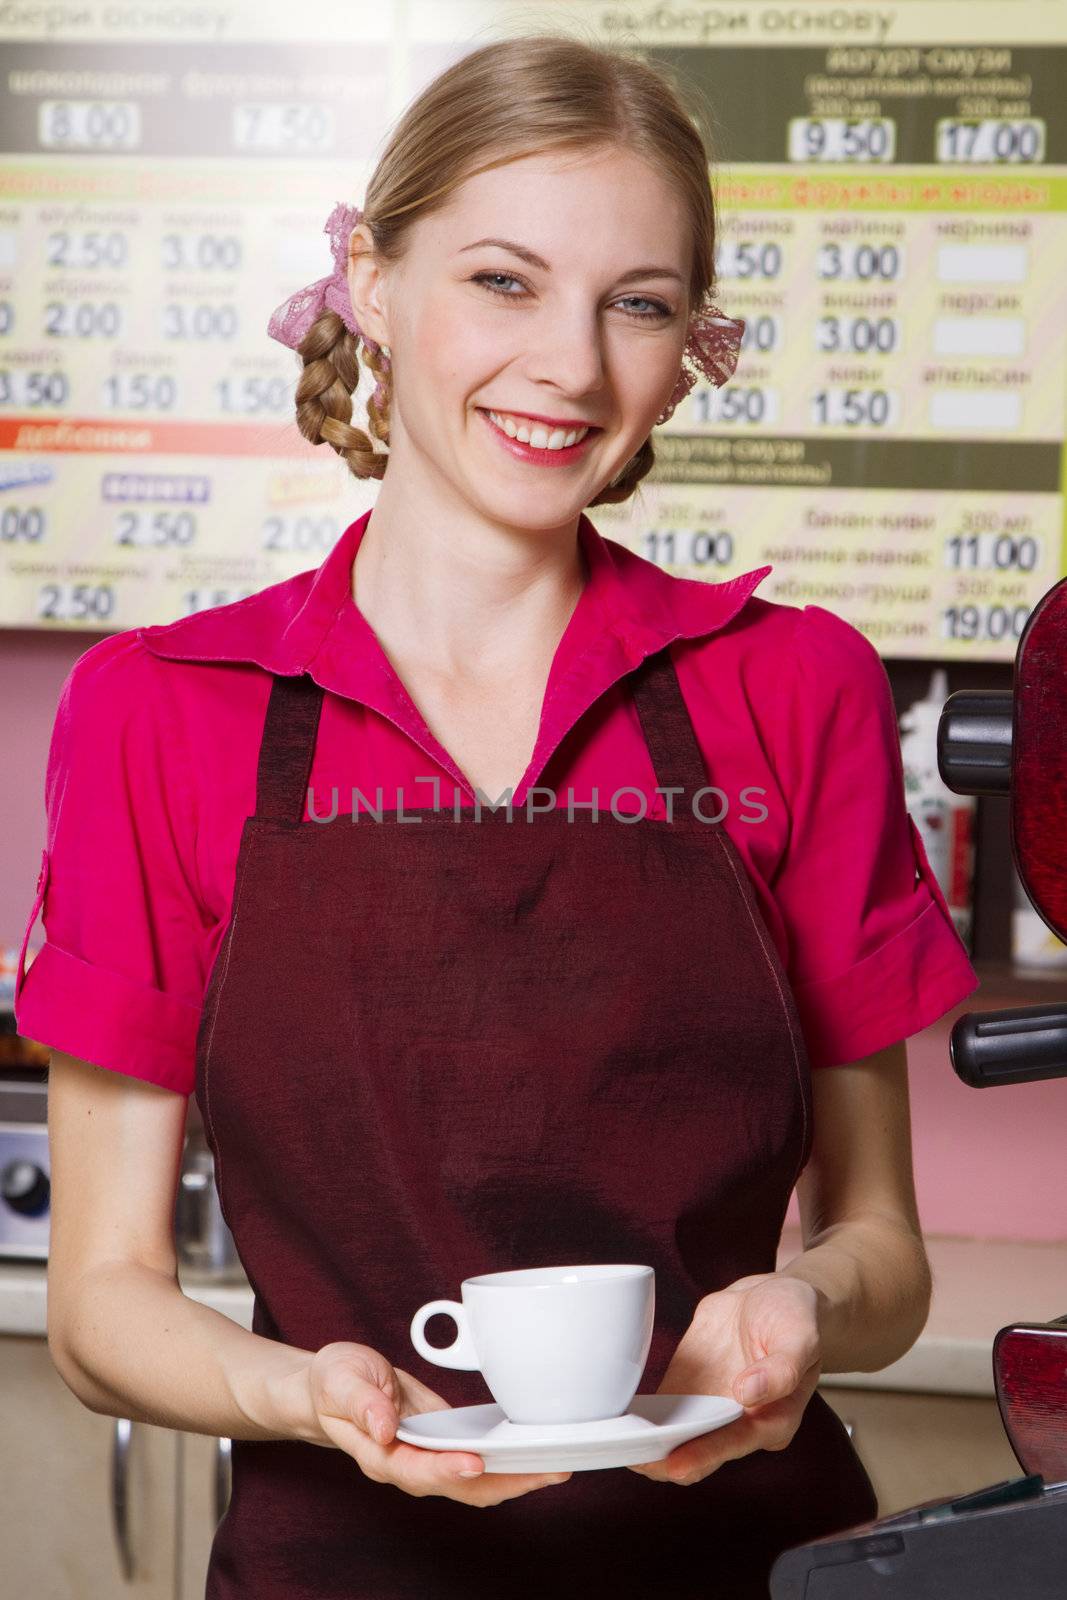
column 119, row 980
column 874, row 954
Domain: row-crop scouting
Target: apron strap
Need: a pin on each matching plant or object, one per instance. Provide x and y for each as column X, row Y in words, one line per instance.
column 295, row 705
column 667, row 725
column 287, row 748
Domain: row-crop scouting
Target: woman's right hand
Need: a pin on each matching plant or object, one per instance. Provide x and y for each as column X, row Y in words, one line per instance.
column 358, row 1398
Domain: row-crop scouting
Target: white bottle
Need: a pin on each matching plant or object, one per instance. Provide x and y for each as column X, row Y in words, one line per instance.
column 945, row 820
column 1034, row 946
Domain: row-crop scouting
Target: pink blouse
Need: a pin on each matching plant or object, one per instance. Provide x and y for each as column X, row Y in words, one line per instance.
column 152, row 771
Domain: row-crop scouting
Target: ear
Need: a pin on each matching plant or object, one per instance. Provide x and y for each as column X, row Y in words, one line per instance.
column 366, row 285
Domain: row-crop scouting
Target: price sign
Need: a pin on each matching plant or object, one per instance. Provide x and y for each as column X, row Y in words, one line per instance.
column 891, row 186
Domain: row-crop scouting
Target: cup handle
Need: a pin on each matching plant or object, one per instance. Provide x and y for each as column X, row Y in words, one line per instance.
column 460, row 1354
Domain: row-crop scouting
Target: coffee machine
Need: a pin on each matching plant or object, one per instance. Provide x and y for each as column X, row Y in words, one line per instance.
column 1009, row 1539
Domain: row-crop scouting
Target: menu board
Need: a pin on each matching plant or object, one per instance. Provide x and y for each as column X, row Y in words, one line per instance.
column 891, row 184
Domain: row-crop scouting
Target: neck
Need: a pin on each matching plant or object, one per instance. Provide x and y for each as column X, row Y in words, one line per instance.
column 465, row 598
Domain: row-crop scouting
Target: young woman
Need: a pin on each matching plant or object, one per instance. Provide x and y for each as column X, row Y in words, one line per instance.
column 438, row 1039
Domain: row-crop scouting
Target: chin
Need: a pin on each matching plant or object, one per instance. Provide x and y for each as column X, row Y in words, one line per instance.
column 534, row 511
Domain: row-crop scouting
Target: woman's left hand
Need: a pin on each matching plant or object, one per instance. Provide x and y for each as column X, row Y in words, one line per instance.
column 761, row 1326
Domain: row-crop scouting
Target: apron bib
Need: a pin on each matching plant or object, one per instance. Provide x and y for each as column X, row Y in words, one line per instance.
column 438, row 1048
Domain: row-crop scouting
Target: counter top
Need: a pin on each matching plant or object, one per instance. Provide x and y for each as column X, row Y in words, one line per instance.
column 980, row 1285
column 23, row 1295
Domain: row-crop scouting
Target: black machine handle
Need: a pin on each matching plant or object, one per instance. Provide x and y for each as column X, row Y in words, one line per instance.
column 974, row 741
column 990, row 1049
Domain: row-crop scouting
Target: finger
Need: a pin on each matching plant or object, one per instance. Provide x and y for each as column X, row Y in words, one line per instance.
column 686, row 1465
column 354, row 1390
column 422, row 1471
column 770, row 1427
column 468, row 1466
column 453, row 1463
column 508, row 1484
column 418, row 1471
column 344, row 1396
column 699, row 1455
column 416, row 1396
column 779, row 1374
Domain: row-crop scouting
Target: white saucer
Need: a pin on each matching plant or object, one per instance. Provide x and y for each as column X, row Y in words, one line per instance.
column 654, row 1426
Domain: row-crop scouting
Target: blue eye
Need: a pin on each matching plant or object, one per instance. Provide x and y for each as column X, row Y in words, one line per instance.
column 483, row 278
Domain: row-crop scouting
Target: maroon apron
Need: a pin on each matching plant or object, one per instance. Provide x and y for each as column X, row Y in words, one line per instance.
column 438, row 1048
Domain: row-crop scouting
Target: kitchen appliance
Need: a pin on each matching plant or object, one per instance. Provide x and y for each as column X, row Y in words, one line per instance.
column 1011, row 1538
column 25, row 1173
column 204, row 1243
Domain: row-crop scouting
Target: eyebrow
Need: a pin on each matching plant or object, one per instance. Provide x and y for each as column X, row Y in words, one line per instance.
column 535, row 260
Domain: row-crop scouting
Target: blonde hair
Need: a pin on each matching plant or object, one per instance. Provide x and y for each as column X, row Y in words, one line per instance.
column 508, row 99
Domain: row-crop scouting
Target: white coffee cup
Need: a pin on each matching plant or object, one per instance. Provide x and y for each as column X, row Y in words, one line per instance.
column 554, row 1344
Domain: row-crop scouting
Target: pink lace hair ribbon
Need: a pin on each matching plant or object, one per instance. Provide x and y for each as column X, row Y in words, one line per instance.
column 712, row 347
column 712, row 344
column 291, row 321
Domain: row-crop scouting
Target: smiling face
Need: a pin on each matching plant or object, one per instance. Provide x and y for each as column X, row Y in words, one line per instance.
column 579, row 318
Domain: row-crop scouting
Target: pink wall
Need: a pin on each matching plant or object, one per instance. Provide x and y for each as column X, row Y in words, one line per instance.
column 990, row 1163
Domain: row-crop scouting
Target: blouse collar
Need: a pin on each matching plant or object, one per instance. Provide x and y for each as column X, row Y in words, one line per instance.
column 628, row 608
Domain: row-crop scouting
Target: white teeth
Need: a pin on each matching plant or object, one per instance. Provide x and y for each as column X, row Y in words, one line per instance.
column 535, row 433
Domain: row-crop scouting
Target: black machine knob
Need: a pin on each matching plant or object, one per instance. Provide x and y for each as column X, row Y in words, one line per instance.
column 25, row 1187
column 992, row 1048
column 974, row 738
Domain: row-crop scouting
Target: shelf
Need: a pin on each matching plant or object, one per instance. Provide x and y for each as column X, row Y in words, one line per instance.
column 1007, row 982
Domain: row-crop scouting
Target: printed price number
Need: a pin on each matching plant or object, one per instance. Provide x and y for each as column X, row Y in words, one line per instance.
column 842, row 139
column 292, row 128
column 75, row 602
column 155, row 529
column 859, row 261
column 252, row 395
column 762, row 335
column 203, row 599
column 854, row 408
column 201, row 252
column 990, row 140
column 28, row 388
column 991, row 623
column 195, row 322
column 140, row 391
column 89, row 125
column 89, row 250
column 689, row 547
column 736, row 405
column 83, row 319
column 289, row 534
column 25, row 523
column 998, row 552
column 748, row 258
column 857, row 335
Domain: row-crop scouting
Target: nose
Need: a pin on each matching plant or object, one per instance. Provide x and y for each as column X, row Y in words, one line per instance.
column 567, row 354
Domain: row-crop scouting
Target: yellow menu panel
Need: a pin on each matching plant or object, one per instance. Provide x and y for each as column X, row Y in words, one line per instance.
column 892, row 191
